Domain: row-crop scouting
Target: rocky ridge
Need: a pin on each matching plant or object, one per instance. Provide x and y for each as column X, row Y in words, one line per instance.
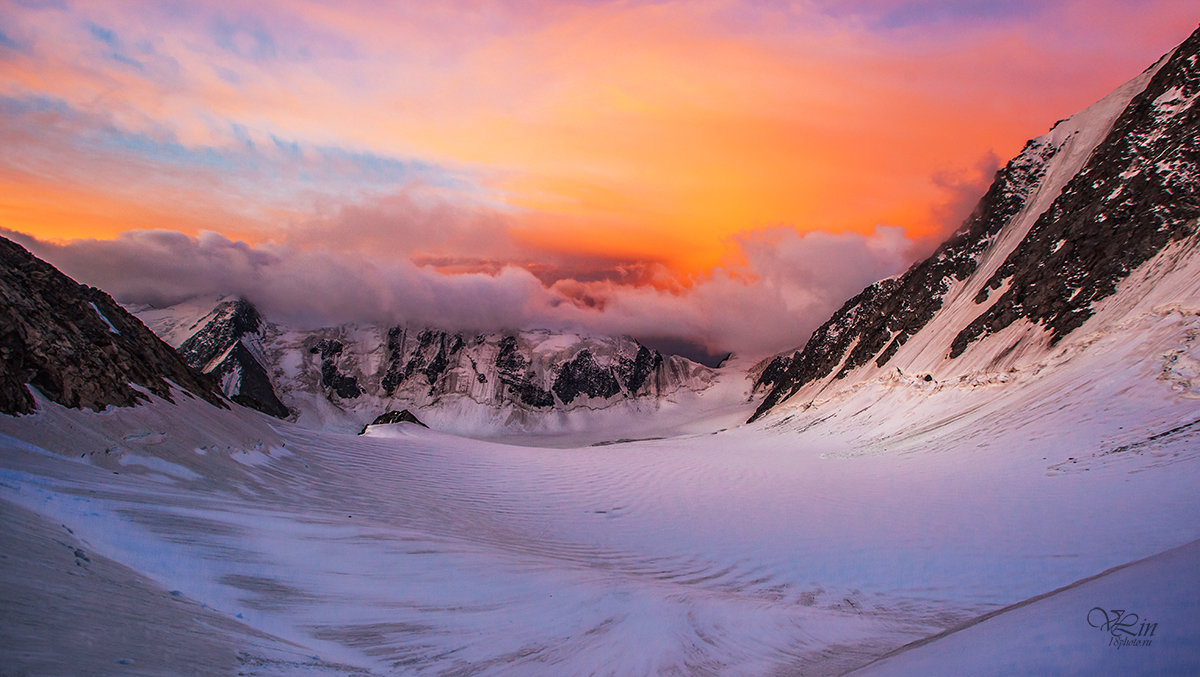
column 228, row 347
column 1059, row 250
column 265, row 365
column 77, row 346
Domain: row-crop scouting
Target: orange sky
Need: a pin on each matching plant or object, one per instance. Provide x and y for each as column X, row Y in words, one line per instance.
column 616, row 131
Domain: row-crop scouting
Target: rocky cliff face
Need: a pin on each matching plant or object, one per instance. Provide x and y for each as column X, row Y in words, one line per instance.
column 76, row 345
column 336, row 383
column 1060, row 227
column 373, row 369
column 1139, row 192
column 516, row 375
column 228, row 347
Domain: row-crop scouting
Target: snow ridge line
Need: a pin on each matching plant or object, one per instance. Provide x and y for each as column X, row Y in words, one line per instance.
column 1012, row 607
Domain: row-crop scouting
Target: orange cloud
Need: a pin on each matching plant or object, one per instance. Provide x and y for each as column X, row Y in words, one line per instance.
column 653, row 132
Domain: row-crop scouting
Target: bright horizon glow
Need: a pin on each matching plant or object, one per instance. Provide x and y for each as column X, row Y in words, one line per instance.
column 640, row 143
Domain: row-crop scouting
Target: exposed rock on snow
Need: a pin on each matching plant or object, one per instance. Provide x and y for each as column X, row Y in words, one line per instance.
column 493, row 381
column 76, row 345
column 392, row 417
column 513, row 370
column 583, row 376
column 345, row 386
column 1137, row 193
column 1061, row 226
column 226, row 347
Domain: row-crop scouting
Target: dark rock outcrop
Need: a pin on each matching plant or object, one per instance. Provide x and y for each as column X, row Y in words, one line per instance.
column 1137, row 194
column 637, row 372
column 394, row 374
column 76, row 345
column 825, row 348
column 447, row 346
column 430, row 355
column 342, row 385
column 403, row 416
column 514, row 373
column 584, row 376
column 254, row 383
column 228, row 323
column 219, row 349
column 773, row 373
column 328, row 348
column 333, row 380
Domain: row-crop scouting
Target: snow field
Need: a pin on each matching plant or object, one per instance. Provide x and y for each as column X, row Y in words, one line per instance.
column 817, row 542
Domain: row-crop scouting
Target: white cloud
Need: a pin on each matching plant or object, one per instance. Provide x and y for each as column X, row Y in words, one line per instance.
column 788, row 285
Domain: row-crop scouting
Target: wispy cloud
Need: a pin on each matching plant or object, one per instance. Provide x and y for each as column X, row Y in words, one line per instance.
column 615, row 162
column 264, row 183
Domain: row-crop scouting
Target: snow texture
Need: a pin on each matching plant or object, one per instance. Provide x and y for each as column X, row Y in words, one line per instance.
column 104, row 319
column 877, row 521
column 814, row 543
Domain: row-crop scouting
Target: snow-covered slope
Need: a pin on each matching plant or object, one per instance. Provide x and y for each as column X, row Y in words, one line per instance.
column 785, row 549
column 916, row 492
column 1074, row 235
column 345, row 376
column 1139, row 619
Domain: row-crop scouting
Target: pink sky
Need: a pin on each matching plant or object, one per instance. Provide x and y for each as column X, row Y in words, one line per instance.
column 595, row 164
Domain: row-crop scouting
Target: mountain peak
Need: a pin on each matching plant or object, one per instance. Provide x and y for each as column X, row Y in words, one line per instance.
column 485, row 381
column 1062, row 225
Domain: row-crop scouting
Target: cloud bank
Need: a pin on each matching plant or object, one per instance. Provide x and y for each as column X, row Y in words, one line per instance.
column 784, row 285
column 611, row 167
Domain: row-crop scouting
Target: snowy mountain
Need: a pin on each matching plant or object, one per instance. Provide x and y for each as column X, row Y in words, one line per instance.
column 1089, row 226
column 227, row 350
column 920, row 504
column 525, row 379
column 76, row 345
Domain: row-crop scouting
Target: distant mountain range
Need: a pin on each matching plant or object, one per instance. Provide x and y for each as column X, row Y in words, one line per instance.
column 518, row 377
column 1088, row 224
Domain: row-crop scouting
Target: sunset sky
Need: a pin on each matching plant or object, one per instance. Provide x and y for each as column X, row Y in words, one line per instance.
column 719, row 172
